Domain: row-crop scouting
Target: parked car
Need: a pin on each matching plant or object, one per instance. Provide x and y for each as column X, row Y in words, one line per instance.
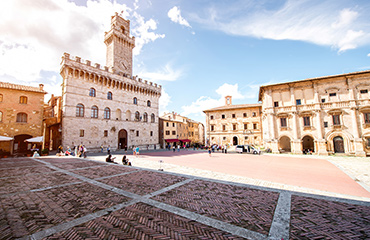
column 247, row 149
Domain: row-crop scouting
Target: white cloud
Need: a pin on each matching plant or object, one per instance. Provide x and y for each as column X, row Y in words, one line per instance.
column 164, row 100
column 368, row 54
column 175, row 15
column 309, row 21
column 35, row 34
column 167, row 73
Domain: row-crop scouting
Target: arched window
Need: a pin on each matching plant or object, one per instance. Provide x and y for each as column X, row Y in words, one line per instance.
column 137, row 116
column 1, row 97
column 109, row 96
column 145, row 117
column 1, row 116
column 22, row 117
column 23, row 100
column 148, row 103
column 106, row 113
column 152, row 118
column 94, row 111
column 92, row 92
column 135, row 100
column 80, row 110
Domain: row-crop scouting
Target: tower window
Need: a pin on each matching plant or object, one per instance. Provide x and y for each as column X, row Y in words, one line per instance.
column 94, row 112
column 106, row 113
column 152, row 118
column 80, row 110
column 298, row 102
column 148, row 103
column 211, row 117
column 105, row 133
column 336, row 119
column 233, row 115
column 332, row 94
column 276, row 104
column 223, row 116
column 135, row 100
column 109, row 96
column 363, row 91
column 283, row 122
column 306, row 121
column 82, row 133
column 137, row 116
column 92, row 92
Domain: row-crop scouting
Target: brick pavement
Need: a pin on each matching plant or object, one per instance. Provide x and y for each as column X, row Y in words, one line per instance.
column 71, row 198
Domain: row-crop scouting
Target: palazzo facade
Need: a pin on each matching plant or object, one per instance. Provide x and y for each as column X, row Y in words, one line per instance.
column 107, row 105
column 324, row 115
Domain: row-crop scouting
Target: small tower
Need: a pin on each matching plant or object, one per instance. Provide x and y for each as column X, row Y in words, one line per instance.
column 228, row 101
column 119, row 45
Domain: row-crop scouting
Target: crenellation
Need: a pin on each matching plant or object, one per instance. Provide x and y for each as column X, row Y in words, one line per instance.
column 88, row 62
column 97, row 65
column 78, row 59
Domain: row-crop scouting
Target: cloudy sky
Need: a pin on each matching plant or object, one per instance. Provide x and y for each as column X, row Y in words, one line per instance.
column 198, row 50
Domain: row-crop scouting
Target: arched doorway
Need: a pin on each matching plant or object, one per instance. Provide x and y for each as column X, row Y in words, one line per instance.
column 338, row 144
column 284, row 144
column 235, row 140
column 308, row 144
column 122, row 139
column 20, row 146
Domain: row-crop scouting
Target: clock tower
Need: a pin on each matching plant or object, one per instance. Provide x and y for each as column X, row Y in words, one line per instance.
column 119, row 45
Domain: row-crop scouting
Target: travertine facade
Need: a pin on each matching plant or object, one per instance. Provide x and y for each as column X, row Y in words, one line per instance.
column 107, row 106
column 175, row 129
column 324, row 115
column 21, row 111
column 52, row 127
column 234, row 124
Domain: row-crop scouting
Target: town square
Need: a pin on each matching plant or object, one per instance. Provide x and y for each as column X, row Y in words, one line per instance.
column 190, row 120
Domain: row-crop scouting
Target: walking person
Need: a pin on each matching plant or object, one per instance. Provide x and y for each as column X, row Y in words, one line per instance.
column 209, row 151
column 108, row 149
column 84, row 151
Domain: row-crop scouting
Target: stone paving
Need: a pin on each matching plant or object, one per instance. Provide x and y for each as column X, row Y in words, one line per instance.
column 73, row 198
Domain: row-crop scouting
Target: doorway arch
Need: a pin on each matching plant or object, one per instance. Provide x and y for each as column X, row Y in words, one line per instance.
column 308, row 144
column 20, row 146
column 284, row 144
column 122, row 139
column 235, row 140
column 338, row 144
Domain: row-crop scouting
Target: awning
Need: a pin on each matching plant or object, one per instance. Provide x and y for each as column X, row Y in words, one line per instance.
column 3, row 138
column 35, row 139
column 171, row 140
column 185, row 140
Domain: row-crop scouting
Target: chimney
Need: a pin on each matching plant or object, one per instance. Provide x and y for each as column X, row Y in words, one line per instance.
column 228, row 100
column 41, row 86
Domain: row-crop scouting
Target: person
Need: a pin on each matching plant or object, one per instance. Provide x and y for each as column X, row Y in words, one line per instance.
column 125, row 161
column 134, row 150
column 178, row 148
column 60, row 150
column 108, row 149
column 68, row 151
column 110, row 159
column 137, row 151
column 35, row 154
column 209, row 151
column 126, row 149
column 225, row 149
column 174, row 148
column 84, row 149
column 101, row 148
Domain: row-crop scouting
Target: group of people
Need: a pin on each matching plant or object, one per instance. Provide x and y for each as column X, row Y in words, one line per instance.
column 79, row 151
column 125, row 160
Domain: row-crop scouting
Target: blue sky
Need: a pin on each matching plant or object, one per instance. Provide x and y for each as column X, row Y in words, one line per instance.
column 198, row 50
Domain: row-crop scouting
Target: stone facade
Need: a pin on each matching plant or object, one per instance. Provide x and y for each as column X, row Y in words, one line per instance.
column 21, row 111
column 175, row 129
column 234, row 124
column 52, row 123
column 324, row 115
column 107, row 106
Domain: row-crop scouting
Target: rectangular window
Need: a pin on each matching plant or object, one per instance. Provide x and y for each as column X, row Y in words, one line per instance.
column 246, row 138
column 233, row 115
column 367, row 117
column 363, row 91
column 137, row 133
column 224, row 138
column 332, row 94
column 23, row 100
column 212, row 128
column 244, row 114
column 336, row 119
column 82, row 133
column 166, row 124
column 326, row 124
column 173, row 132
column 276, row 104
column 151, row 133
column 254, row 114
column 254, row 125
column 306, row 121
column 322, row 100
column 167, row 132
column 223, row 127
column 211, row 117
column 298, row 102
column 245, row 126
column 173, row 124
column 283, row 122
column 223, row 116
column 234, row 126
column 105, row 133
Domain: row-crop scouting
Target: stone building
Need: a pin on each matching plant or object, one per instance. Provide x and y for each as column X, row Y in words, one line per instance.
column 107, row 105
column 175, row 129
column 234, row 124
column 324, row 115
column 21, row 111
column 52, row 123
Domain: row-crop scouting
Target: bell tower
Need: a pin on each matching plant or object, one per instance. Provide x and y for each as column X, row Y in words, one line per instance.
column 119, row 45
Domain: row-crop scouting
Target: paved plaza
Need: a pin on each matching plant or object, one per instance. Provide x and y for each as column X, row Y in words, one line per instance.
column 74, row 198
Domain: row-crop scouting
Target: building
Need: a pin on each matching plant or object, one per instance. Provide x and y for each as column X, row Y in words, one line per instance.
column 234, row 124
column 324, row 115
column 175, row 129
column 21, row 111
column 52, row 123
column 108, row 105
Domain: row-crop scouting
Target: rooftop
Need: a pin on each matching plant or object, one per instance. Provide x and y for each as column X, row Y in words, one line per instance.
column 22, row 87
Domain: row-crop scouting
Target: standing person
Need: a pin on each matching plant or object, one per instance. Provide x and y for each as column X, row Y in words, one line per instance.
column 84, row 151
column 101, row 148
column 225, row 149
column 178, row 148
column 133, row 150
column 209, row 151
column 126, row 149
column 174, row 148
column 137, row 151
column 108, row 149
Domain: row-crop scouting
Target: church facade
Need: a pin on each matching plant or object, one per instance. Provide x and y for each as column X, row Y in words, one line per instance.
column 108, row 106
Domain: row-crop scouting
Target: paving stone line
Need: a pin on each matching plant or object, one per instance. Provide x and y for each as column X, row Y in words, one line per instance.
column 145, row 199
column 116, row 175
column 280, row 226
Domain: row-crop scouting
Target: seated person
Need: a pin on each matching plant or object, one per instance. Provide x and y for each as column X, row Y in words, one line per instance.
column 110, row 159
column 125, row 161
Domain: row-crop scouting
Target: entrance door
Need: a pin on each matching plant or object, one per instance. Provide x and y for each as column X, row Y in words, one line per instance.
column 20, row 146
column 122, row 139
column 235, row 141
column 338, row 144
column 308, row 144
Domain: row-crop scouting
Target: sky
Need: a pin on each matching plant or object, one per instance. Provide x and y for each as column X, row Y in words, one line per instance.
column 199, row 50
